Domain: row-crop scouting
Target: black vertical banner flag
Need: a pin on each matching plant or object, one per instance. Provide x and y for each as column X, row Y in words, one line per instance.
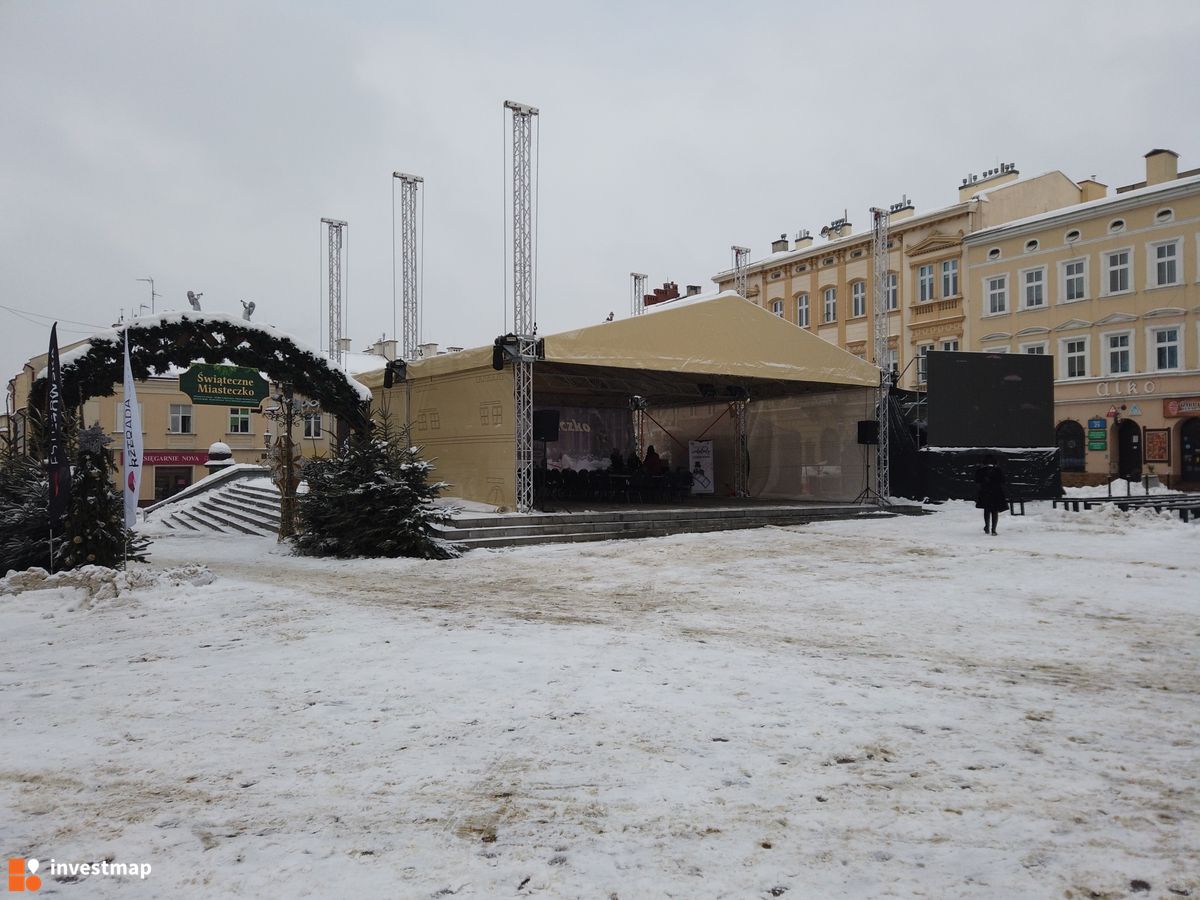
column 58, row 468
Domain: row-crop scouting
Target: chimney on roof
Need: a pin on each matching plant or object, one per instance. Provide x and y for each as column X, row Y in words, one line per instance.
column 780, row 245
column 803, row 239
column 384, row 347
column 344, row 345
column 1161, row 166
column 428, row 350
column 669, row 291
column 693, row 290
column 1090, row 189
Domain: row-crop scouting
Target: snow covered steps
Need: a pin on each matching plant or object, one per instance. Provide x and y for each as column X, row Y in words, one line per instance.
column 242, row 507
column 508, row 530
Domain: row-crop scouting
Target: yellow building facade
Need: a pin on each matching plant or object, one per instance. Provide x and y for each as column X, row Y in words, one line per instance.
column 1111, row 289
column 825, row 287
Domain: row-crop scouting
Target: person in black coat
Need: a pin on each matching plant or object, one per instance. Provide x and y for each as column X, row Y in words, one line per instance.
column 991, row 498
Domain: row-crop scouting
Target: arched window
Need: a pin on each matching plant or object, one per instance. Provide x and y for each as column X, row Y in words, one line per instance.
column 777, row 307
column 1069, row 437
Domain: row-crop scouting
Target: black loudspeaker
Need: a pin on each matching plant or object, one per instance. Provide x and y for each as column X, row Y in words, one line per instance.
column 868, row 431
column 545, row 425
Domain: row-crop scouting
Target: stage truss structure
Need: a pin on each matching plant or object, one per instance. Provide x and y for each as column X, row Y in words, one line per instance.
column 334, row 297
column 882, row 327
column 410, row 305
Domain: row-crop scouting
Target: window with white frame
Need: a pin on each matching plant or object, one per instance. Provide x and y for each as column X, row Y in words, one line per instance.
column 1118, row 354
column 1164, row 263
column 1074, row 280
column 997, row 294
column 1118, row 270
column 179, row 418
column 802, row 318
column 1075, row 357
column 858, row 298
column 312, row 425
column 119, row 418
column 1165, row 347
column 239, row 420
column 925, row 283
column 1033, row 283
column 950, row 278
column 1038, row 349
column 892, row 360
column 777, row 307
column 893, row 300
column 830, row 304
column 923, row 362
column 950, row 345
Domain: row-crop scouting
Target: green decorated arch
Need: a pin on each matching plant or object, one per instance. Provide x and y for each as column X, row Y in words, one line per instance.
column 177, row 340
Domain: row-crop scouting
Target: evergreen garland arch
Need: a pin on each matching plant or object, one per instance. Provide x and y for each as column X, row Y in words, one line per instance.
column 177, row 340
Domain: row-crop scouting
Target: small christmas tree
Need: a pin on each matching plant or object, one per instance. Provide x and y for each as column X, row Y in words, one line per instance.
column 94, row 531
column 24, row 519
column 373, row 499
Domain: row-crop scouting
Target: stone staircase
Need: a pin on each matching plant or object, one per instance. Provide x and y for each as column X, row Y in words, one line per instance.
column 512, row 531
column 241, row 507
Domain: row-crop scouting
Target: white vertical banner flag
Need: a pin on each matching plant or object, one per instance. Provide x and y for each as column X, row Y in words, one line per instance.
column 131, row 420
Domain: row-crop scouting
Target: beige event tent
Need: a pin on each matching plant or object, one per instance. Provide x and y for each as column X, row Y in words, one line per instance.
column 688, row 360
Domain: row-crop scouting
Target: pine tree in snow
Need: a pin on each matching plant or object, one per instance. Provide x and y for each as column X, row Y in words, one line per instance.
column 24, row 520
column 373, row 498
column 94, row 531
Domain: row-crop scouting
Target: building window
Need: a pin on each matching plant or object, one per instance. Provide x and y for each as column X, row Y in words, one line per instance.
column 1166, row 348
column 1034, row 288
column 925, row 283
column 179, row 420
column 893, row 300
column 1073, row 235
column 1120, row 360
column 1163, row 216
column 1034, row 349
column 1075, row 357
column 950, row 278
column 923, row 362
column 858, row 298
column 1074, row 280
column 1117, row 264
column 239, row 420
column 312, row 425
column 997, row 295
column 1030, row 246
column 777, row 307
column 802, row 310
column 119, row 418
column 1164, row 263
column 994, row 253
column 830, row 304
column 1116, row 226
column 950, row 346
column 892, row 360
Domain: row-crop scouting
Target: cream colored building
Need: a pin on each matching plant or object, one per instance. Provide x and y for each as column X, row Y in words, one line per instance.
column 176, row 433
column 825, row 287
column 1111, row 289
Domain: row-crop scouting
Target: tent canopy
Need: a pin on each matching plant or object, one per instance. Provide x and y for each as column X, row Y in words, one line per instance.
column 684, row 353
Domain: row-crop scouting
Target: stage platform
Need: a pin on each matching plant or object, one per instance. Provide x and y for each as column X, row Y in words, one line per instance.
column 569, row 522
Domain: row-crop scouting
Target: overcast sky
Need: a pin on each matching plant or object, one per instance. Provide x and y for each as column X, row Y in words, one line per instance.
column 201, row 143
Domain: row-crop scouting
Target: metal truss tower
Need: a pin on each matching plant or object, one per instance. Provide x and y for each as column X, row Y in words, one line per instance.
column 741, row 260
column 410, row 321
column 739, row 410
column 524, row 308
column 637, row 299
column 883, row 474
column 335, row 288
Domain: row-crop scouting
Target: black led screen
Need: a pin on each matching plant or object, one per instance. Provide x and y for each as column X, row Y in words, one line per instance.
column 990, row 399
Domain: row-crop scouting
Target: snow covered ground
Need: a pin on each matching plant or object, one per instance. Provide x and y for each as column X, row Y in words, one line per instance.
column 901, row 707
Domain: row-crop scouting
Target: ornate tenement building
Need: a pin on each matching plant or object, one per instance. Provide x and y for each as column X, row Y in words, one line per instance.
column 826, row 287
column 1111, row 289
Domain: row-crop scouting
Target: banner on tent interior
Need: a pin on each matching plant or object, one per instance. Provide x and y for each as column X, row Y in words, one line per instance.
column 700, row 463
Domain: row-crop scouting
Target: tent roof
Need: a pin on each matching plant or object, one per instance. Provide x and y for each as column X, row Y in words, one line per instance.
column 724, row 337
